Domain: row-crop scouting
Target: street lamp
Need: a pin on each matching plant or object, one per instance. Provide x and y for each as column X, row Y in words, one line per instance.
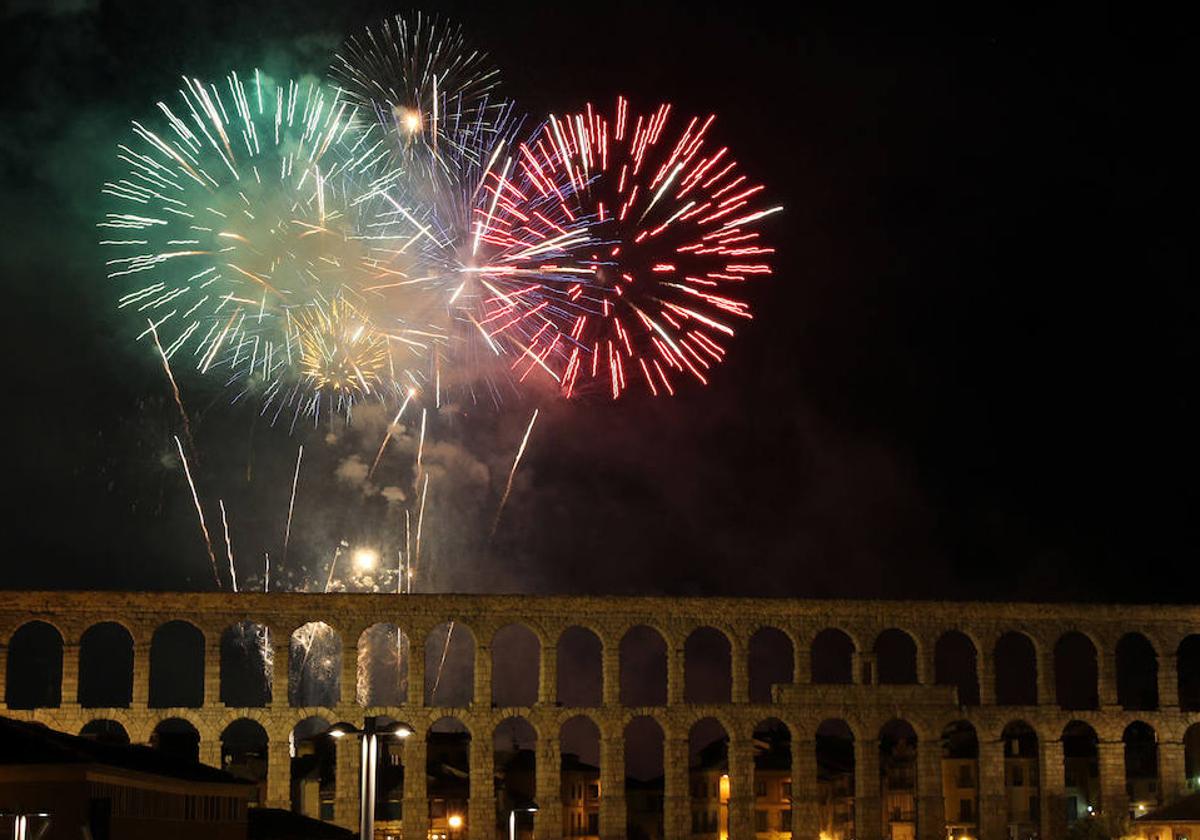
column 528, row 808
column 370, row 734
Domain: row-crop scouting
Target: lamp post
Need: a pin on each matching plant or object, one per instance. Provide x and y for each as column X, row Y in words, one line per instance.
column 528, row 808
column 370, row 734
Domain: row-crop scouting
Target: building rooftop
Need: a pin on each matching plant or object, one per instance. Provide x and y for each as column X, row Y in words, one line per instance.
column 1182, row 810
column 24, row 743
column 277, row 824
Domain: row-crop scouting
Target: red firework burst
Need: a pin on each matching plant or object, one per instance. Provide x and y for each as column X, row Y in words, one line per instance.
column 672, row 238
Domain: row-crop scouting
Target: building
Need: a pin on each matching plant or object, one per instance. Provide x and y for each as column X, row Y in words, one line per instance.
column 1103, row 700
column 1178, row 821
column 62, row 786
column 580, row 798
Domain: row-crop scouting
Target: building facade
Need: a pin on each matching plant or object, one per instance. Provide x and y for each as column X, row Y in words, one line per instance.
column 1074, row 687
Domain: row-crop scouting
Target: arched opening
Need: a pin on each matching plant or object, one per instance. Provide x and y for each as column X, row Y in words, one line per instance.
column 105, row 667
column 580, row 773
column 389, row 780
column 244, row 754
column 896, row 658
column 382, row 666
column 898, row 779
column 954, row 663
column 960, row 778
column 1016, row 670
column 708, row 752
column 643, row 655
column 315, row 665
column 707, row 667
column 450, row 665
column 580, row 668
column 1141, row 767
column 177, row 737
column 771, row 659
column 177, row 666
column 1137, row 673
column 1075, row 674
column 643, row 779
column 1191, row 757
column 246, row 666
column 514, row 758
column 1081, row 770
column 1022, row 785
column 105, row 732
column 832, row 657
column 35, row 654
column 448, row 763
column 772, row 777
column 313, row 771
column 1188, row 663
column 835, row 779
column 516, row 654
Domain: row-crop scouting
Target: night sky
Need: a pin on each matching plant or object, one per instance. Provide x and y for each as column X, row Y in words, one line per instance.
column 972, row 375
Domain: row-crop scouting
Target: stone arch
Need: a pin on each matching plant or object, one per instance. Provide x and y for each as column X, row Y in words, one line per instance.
column 955, row 663
column 1188, row 665
column 1191, row 756
column 834, row 745
column 1022, row 782
column 1141, row 767
column 644, row 777
column 105, row 731
column 247, row 662
column 898, row 774
column 579, row 756
column 383, row 656
column 35, row 667
column 580, row 668
column 450, row 665
column 771, row 659
column 1076, row 672
column 643, row 655
column 244, row 753
column 177, row 666
column 960, row 775
column 832, row 657
column 1137, row 673
column 314, row 665
column 448, row 747
column 1015, row 670
column 516, row 663
column 707, row 666
column 772, row 790
column 1081, row 769
column 178, row 737
column 106, row 666
column 896, row 657
column 313, row 768
column 514, row 759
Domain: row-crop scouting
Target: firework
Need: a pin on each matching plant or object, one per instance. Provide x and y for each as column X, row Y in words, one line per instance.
column 199, row 512
column 513, row 472
column 228, row 546
column 427, row 87
column 234, row 223
column 673, row 236
column 287, row 533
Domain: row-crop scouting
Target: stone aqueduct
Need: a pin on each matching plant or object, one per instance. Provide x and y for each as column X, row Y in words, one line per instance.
column 865, row 705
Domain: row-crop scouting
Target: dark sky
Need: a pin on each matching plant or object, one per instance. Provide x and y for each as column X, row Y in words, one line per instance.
column 973, row 375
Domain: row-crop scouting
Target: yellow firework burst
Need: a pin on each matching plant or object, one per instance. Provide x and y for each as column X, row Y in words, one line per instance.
column 340, row 351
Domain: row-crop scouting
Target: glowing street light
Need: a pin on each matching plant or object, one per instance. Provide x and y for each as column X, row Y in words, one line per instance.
column 370, row 734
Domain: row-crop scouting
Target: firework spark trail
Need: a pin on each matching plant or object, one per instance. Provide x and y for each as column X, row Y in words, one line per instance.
column 420, row 454
column 287, row 534
column 332, row 566
column 437, row 680
column 512, row 473
column 199, row 511
column 267, row 578
column 416, row 558
column 187, row 425
column 228, row 545
column 387, row 435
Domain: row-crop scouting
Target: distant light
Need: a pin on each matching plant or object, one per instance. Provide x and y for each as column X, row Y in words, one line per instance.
column 455, row 821
column 337, row 733
column 365, row 559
